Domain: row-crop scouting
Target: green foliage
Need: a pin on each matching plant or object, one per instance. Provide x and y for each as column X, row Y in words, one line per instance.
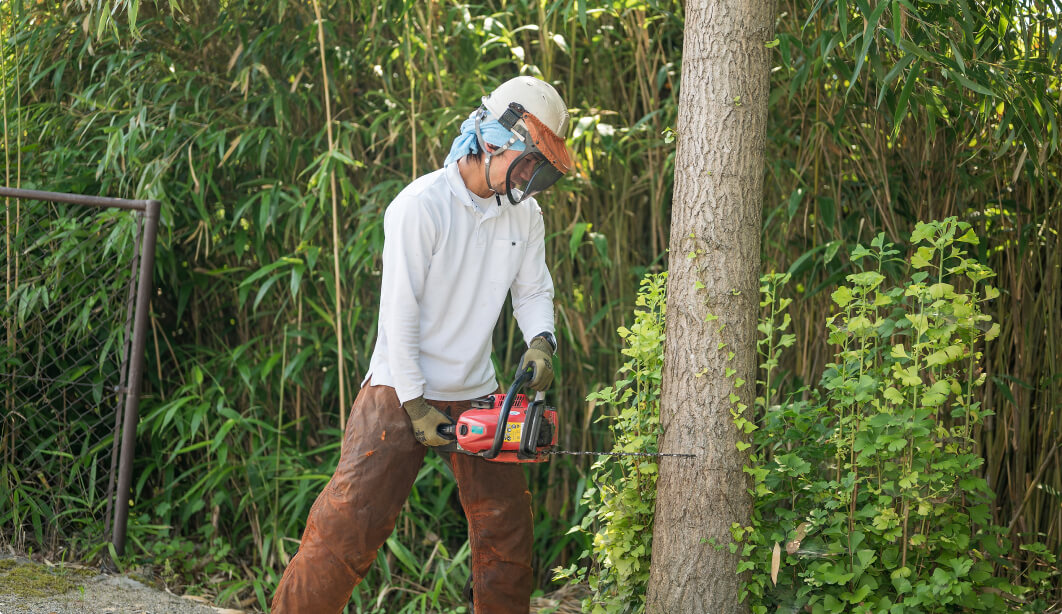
column 872, row 480
column 857, row 149
column 981, row 63
column 623, row 500
column 218, row 110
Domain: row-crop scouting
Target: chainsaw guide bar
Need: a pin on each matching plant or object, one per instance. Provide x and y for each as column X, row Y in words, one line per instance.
column 573, row 453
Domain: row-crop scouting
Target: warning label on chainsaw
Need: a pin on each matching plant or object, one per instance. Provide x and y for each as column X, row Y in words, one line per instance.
column 512, row 432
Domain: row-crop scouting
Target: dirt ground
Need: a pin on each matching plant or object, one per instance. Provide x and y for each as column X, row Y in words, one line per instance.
column 28, row 587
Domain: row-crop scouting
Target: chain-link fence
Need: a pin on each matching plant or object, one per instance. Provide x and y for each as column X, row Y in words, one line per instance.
column 68, row 305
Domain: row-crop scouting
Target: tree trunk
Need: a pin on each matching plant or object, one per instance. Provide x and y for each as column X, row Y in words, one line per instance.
column 713, row 272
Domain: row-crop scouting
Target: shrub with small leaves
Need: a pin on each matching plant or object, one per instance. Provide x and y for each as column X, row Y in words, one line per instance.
column 868, row 496
column 622, row 500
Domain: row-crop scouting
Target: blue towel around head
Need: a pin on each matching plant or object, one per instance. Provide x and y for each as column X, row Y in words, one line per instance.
column 493, row 133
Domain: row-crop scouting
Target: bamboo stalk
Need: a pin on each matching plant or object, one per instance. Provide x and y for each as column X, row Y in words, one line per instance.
column 341, row 375
column 276, row 449
column 9, row 325
column 12, row 272
column 412, row 97
column 1032, row 487
column 298, row 389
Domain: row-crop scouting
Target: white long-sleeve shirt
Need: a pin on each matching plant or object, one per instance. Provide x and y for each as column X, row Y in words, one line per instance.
column 449, row 260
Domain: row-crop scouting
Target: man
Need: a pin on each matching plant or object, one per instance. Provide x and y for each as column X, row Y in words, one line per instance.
column 456, row 242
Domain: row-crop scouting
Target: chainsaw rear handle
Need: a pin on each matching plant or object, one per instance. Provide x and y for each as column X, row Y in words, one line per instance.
column 448, row 431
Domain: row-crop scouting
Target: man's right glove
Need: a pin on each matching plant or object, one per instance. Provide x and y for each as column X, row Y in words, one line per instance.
column 539, row 355
column 426, row 421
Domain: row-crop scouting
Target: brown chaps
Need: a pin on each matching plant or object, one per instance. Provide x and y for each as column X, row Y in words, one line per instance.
column 356, row 513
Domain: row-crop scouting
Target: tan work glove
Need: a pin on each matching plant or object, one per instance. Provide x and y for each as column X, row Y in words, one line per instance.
column 539, row 356
column 426, row 421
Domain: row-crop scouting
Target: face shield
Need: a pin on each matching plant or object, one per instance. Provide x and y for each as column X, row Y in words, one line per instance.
column 543, row 161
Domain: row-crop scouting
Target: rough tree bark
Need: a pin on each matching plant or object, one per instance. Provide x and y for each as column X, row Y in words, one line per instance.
column 713, row 272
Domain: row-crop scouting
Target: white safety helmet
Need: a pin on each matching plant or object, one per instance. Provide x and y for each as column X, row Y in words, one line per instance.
column 534, row 112
column 538, row 98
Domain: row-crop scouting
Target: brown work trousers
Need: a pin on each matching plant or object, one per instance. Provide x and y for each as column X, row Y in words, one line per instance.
column 356, row 513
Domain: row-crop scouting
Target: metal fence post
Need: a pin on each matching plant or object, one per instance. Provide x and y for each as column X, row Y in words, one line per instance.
column 136, row 365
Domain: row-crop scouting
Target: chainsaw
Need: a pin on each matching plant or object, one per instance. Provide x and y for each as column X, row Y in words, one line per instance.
column 505, row 429
column 512, row 429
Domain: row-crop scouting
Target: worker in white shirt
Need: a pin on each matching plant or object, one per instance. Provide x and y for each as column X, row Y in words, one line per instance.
column 456, row 242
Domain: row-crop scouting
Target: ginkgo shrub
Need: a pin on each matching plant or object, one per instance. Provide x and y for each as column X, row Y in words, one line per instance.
column 621, row 502
column 868, row 491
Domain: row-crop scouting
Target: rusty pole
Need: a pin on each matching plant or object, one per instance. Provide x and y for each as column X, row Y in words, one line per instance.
column 136, row 365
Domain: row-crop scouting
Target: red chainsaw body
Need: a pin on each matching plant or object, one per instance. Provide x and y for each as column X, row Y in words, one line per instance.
column 476, row 428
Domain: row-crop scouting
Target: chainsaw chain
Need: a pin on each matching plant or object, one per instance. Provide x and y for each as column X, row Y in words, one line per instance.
column 571, row 453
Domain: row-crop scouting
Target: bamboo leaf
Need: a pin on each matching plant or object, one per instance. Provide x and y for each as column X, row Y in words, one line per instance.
column 970, row 84
column 814, row 11
column 264, row 289
column 905, row 94
column 869, row 32
column 245, row 285
column 958, row 56
column 893, row 74
column 914, row 49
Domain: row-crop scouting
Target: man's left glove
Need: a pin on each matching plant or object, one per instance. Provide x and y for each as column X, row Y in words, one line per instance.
column 539, row 355
column 426, row 422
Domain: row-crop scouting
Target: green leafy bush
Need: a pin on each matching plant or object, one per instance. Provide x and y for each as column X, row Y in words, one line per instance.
column 622, row 500
column 868, row 494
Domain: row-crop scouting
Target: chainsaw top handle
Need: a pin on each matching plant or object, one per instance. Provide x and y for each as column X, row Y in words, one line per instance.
column 522, row 377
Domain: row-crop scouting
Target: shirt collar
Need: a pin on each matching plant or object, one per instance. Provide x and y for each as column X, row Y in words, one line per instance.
column 487, row 207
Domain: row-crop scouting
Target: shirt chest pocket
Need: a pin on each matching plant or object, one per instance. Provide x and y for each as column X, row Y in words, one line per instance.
column 504, row 259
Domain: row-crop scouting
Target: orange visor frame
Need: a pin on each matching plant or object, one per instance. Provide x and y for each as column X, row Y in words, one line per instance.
column 544, row 160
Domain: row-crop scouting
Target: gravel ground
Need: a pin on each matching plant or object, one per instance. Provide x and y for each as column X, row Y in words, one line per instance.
column 28, row 587
column 92, row 593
